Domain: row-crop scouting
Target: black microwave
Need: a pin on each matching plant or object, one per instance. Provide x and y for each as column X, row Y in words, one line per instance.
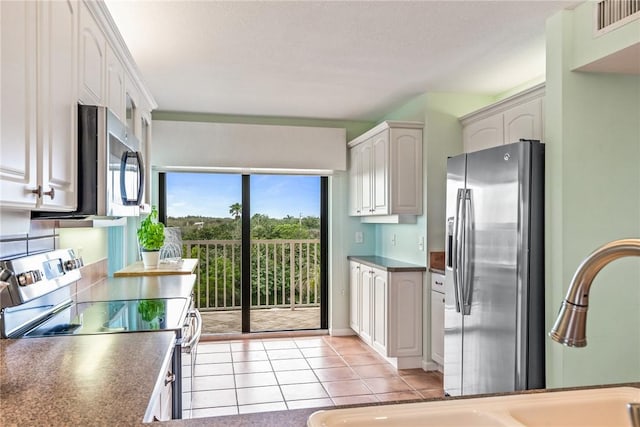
column 110, row 168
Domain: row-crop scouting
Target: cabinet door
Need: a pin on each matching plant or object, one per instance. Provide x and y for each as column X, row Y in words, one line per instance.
column 380, row 174
column 115, row 85
column 523, row 121
column 57, row 93
column 366, row 301
column 437, row 327
column 366, row 177
column 380, row 304
column 405, row 314
column 485, row 133
column 354, row 296
column 92, row 60
column 355, row 181
column 18, row 104
column 405, row 169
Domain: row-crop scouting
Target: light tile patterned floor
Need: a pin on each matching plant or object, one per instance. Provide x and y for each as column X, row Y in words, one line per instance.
column 259, row 375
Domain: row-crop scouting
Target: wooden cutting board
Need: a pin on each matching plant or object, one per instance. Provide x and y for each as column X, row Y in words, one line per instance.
column 186, row 266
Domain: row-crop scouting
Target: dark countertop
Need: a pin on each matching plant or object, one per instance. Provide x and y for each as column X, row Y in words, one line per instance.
column 386, row 264
column 80, row 380
column 436, row 270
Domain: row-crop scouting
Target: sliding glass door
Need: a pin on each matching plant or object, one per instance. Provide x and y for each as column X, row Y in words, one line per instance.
column 261, row 245
column 285, row 252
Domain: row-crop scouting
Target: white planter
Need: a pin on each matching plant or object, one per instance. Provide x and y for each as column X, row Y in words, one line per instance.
column 150, row 259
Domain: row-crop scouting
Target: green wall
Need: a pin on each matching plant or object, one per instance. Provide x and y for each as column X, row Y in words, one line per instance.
column 593, row 196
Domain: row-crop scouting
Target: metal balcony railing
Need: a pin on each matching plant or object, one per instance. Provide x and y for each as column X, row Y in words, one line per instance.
column 284, row 273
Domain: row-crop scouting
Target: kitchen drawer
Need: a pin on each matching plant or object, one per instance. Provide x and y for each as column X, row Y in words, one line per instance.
column 437, row 282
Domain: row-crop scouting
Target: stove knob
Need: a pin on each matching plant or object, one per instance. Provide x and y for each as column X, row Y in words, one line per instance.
column 26, row 278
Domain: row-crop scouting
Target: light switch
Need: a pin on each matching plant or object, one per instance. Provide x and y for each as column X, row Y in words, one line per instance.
column 359, row 237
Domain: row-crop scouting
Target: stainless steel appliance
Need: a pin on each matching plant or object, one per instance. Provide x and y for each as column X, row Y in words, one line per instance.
column 38, row 302
column 110, row 168
column 494, row 272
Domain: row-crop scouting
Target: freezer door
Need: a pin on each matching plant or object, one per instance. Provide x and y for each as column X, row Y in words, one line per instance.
column 490, row 287
column 452, row 316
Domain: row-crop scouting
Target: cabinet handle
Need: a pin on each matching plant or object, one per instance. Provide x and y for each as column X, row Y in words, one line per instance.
column 51, row 193
column 438, row 283
column 443, row 300
column 37, row 191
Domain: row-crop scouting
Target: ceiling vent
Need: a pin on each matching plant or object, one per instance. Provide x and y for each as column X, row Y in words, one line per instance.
column 611, row 14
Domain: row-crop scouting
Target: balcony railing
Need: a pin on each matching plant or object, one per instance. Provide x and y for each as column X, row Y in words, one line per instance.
column 284, row 273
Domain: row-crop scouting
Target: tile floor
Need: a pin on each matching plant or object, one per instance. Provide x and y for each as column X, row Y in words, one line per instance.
column 259, row 375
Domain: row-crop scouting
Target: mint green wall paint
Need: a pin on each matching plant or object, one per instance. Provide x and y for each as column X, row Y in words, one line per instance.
column 588, row 47
column 88, row 243
column 592, row 134
column 520, row 88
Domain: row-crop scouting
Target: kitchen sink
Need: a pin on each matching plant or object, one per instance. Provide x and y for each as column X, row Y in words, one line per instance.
column 600, row 407
column 587, row 407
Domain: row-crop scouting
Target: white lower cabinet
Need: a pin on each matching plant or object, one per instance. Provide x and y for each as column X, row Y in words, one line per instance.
column 437, row 318
column 161, row 403
column 386, row 312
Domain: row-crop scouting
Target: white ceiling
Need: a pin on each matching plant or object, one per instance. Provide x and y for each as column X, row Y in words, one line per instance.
column 329, row 59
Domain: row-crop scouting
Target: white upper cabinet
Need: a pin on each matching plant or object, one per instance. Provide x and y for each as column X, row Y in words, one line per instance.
column 485, row 133
column 38, row 146
column 116, row 100
column 54, row 55
column 58, row 24
column 517, row 117
column 355, row 181
column 18, row 149
column 385, row 173
column 379, row 174
column 523, row 121
column 92, row 60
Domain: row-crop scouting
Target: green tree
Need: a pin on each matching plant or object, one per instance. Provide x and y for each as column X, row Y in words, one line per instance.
column 235, row 210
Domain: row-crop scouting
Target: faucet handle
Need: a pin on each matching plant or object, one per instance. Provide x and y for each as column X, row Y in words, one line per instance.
column 634, row 413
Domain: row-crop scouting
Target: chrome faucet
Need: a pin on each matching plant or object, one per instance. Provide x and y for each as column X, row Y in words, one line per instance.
column 570, row 326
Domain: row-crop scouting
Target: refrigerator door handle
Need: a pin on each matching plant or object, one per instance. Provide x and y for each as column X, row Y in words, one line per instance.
column 457, row 248
column 466, row 287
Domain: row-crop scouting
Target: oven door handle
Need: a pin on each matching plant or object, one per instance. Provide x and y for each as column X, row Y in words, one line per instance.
column 186, row 347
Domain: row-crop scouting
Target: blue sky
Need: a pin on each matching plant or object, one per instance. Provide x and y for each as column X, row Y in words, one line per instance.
column 205, row 194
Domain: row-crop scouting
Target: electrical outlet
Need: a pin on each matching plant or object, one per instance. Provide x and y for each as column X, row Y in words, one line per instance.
column 421, row 243
column 359, row 237
column 394, row 240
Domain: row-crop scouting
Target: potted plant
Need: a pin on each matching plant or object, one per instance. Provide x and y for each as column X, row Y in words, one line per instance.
column 151, row 239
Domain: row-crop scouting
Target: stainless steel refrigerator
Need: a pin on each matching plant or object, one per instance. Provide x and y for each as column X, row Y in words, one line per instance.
column 494, row 270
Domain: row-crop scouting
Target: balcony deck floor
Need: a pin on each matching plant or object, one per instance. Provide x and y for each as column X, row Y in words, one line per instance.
column 270, row 319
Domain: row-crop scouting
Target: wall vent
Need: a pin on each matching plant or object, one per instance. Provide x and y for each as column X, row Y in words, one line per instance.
column 614, row 13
